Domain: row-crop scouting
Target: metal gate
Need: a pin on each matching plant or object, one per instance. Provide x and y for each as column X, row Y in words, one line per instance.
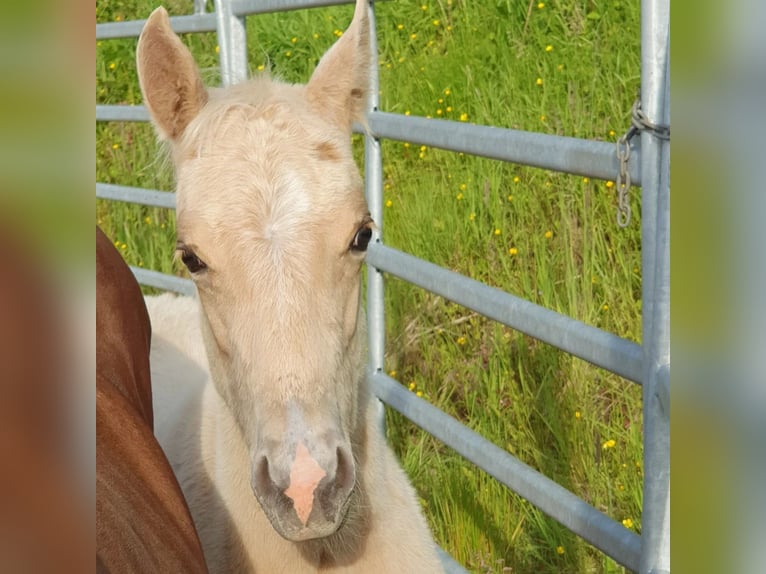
column 647, row 365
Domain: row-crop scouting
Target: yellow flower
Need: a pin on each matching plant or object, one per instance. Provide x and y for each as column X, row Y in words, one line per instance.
column 406, row 144
column 389, row 203
column 449, row 28
column 123, row 246
column 424, row 7
column 112, row 66
column 459, row 196
column 411, row 386
column 539, row 81
column 610, row 184
column 510, row 198
column 542, row 119
column 440, row 101
column 612, row 133
column 548, row 234
column 338, row 33
column 540, row 5
column 516, row 179
column 560, row 67
column 449, row 108
column 578, row 414
column 497, row 231
column 406, row 112
column 439, row 112
column 294, row 39
column 549, row 48
column 605, row 307
column 513, row 251
column 148, row 220
column 559, row 550
column 585, row 180
column 435, row 22
column 627, row 523
column 423, row 148
column 461, row 340
column 464, row 117
column 400, row 26
column 609, row 444
column 422, row 155
column 288, row 53
column 217, row 49
column 419, row 393
column 413, row 36
column 115, row 146
column 463, row 187
column 315, row 36
column 401, row 59
column 472, row 216
column 392, row 373
column 260, row 67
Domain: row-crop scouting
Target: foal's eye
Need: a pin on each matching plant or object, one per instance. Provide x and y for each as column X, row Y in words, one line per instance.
column 362, row 239
column 193, row 263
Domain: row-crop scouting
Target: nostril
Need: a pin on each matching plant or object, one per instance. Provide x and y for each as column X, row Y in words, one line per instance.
column 344, row 472
column 262, row 476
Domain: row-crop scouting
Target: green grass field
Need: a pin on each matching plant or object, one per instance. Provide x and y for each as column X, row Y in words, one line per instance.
column 561, row 67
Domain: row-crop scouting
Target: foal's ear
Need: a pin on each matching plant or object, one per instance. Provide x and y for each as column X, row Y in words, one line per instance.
column 169, row 78
column 339, row 86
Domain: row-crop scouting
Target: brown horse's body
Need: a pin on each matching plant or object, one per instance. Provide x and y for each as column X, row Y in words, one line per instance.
column 142, row 520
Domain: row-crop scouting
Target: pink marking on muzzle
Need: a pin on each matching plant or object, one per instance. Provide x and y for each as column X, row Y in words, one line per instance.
column 305, row 475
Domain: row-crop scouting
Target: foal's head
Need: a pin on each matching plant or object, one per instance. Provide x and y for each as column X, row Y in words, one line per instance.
column 273, row 226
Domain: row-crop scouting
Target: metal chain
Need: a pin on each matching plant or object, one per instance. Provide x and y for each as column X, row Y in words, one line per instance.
column 639, row 122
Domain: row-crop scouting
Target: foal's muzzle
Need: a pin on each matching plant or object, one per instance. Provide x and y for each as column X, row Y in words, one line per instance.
column 304, row 488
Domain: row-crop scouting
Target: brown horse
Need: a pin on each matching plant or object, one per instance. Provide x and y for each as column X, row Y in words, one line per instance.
column 142, row 520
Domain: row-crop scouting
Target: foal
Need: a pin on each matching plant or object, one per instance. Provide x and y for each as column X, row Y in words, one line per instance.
column 260, row 399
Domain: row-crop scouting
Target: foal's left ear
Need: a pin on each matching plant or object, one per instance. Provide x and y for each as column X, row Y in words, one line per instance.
column 338, row 88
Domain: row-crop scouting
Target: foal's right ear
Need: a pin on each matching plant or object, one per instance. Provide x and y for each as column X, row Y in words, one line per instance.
column 169, row 78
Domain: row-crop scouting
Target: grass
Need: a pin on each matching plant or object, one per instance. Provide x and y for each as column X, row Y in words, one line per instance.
column 548, row 237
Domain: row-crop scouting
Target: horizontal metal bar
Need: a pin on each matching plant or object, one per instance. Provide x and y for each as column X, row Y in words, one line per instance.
column 603, row 349
column 117, row 113
column 558, row 153
column 136, row 195
column 164, row 281
column 607, row 535
column 247, row 7
column 132, row 28
column 450, row 565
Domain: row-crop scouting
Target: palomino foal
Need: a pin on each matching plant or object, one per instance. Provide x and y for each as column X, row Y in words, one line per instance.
column 280, row 456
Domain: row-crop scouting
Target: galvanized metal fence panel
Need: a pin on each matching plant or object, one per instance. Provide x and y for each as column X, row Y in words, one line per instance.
column 647, row 365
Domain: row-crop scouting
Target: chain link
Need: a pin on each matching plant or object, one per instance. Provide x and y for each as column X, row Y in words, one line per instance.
column 639, row 122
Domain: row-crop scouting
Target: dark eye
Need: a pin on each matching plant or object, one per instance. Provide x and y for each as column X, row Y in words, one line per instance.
column 362, row 239
column 193, row 263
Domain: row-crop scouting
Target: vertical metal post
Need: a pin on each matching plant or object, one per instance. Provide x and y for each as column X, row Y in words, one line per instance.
column 373, row 175
column 232, row 44
column 655, row 231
